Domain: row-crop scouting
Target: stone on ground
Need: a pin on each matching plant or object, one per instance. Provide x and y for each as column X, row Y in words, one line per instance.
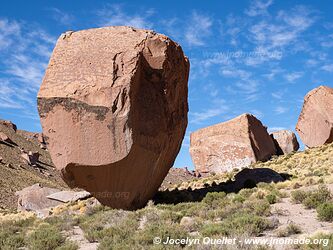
column 233, row 144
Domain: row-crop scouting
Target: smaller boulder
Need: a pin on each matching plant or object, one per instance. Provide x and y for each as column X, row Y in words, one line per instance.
column 34, row 199
column 285, row 141
column 188, row 223
column 31, row 158
column 315, row 123
column 40, row 138
column 9, row 124
column 5, row 138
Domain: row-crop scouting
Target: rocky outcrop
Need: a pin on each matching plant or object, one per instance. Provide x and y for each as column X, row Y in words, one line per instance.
column 34, row 199
column 285, row 141
column 8, row 124
column 113, row 107
column 5, row 138
column 315, row 123
column 31, row 157
column 233, row 144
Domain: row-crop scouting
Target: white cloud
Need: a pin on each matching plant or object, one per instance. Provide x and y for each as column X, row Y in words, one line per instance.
column 292, row 77
column 277, row 95
column 280, row 110
column 257, row 113
column 8, row 29
column 258, row 7
column 274, row 129
column 114, row 15
column 22, row 64
column 61, row 16
column 328, row 67
column 282, row 32
column 200, row 117
column 198, row 28
column 235, row 73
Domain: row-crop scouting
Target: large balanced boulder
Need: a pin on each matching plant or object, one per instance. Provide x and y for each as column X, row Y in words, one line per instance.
column 233, row 144
column 113, row 107
column 315, row 123
column 285, row 141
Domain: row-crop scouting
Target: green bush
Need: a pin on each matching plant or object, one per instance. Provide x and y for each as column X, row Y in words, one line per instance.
column 238, row 224
column 271, row 198
column 315, row 198
column 214, row 199
column 45, row 237
column 298, row 196
column 325, row 211
column 312, row 199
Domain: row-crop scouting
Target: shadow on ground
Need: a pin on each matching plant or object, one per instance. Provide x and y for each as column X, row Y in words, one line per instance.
column 247, row 178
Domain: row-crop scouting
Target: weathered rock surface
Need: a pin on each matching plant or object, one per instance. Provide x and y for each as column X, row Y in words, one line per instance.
column 69, row 196
column 34, row 198
column 113, row 107
column 233, row 144
column 285, row 141
column 31, row 157
column 8, row 124
column 5, row 138
column 315, row 123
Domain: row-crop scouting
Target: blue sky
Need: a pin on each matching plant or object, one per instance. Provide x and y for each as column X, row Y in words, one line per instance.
column 259, row 57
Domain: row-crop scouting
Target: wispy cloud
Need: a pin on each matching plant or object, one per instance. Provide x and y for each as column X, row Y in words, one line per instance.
column 61, row 16
column 115, row 15
column 200, row 117
column 22, row 64
column 280, row 110
column 328, row 67
column 258, row 7
column 198, row 29
column 292, row 77
column 274, row 129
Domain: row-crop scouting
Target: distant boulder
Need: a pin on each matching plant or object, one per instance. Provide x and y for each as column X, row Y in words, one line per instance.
column 315, row 123
column 285, row 141
column 233, row 144
column 31, row 157
column 5, row 138
column 8, row 124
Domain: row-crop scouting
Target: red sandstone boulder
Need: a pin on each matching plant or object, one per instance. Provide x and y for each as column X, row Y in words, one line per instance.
column 315, row 123
column 233, row 144
column 113, row 107
column 285, row 141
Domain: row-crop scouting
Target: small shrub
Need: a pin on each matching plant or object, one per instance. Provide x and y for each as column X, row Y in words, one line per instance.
column 291, row 229
column 214, row 198
column 45, row 237
column 315, row 198
column 69, row 245
column 325, row 211
column 271, row 198
column 298, row 196
column 238, row 224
